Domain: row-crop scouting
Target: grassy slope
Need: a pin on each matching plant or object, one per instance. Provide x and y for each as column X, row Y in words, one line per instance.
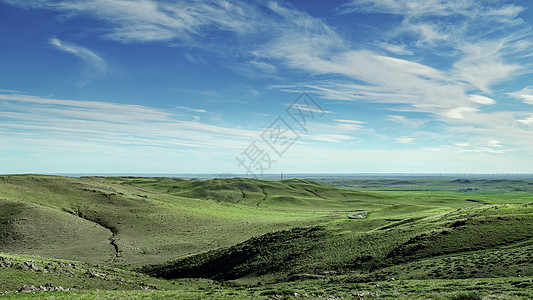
column 50, row 232
column 46, row 215
column 321, row 250
column 93, row 281
column 260, row 230
column 19, row 270
column 294, row 194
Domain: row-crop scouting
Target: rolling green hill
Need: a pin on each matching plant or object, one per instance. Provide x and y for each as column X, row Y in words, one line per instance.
column 123, row 220
column 242, row 238
column 296, row 194
column 319, row 250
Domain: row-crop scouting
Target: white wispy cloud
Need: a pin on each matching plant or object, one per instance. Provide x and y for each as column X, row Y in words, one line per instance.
column 106, row 110
column 482, row 99
column 151, row 20
column 503, row 131
column 483, row 150
column 395, row 49
column 263, row 66
column 350, row 121
column 349, row 124
column 324, row 137
column 405, row 140
column 459, row 112
column 9, row 91
column 526, row 95
column 483, row 68
column 462, row 144
column 300, row 41
column 482, row 146
column 412, row 159
column 308, row 108
column 95, row 65
column 192, row 109
column 527, row 121
column 494, row 143
column 403, row 121
column 111, row 125
column 429, row 34
column 414, row 8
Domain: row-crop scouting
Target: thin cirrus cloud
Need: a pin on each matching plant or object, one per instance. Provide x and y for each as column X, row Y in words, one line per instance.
column 395, row 48
column 526, row 95
column 332, row 138
column 198, row 110
column 405, row 140
column 482, row 99
column 420, row 8
column 111, row 125
column 106, row 110
column 527, row 121
column 404, row 121
column 308, row 108
column 349, row 124
column 95, row 66
column 155, row 21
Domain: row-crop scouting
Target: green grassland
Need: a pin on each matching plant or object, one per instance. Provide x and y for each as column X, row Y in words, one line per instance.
column 133, row 237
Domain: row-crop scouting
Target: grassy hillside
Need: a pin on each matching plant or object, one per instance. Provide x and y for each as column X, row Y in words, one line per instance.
column 319, row 250
column 20, row 270
column 122, row 220
column 23, row 277
column 245, row 238
column 294, row 194
column 38, row 229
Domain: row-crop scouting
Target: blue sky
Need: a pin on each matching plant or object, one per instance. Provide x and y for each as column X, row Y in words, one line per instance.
column 123, row 86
